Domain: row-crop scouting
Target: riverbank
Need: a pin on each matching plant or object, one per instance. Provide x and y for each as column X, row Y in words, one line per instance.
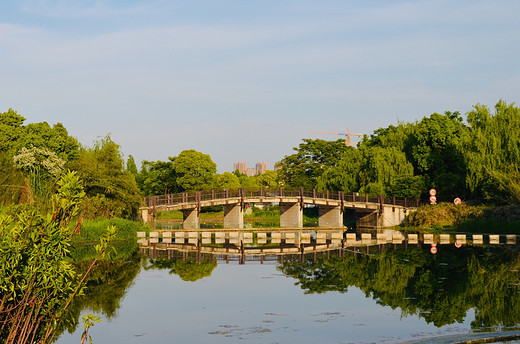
column 466, row 218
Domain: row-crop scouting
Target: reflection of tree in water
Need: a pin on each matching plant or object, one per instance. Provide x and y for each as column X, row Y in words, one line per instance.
column 106, row 286
column 188, row 270
column 439, row 288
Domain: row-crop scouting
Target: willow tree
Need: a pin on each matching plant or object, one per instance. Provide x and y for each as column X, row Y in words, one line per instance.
column 382, row 167
column 493, row 152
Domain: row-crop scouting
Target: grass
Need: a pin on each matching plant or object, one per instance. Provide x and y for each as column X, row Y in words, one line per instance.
column 91, row 230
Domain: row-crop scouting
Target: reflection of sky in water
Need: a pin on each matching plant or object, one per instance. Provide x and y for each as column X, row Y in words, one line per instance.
column 251, row 303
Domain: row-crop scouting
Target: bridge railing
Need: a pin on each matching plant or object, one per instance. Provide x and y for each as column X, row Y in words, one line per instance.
column 208, row 195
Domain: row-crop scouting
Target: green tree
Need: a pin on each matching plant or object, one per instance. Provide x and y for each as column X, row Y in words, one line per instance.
column 10, row 130
column 157, row 177
column 436, row 146
column 311, row 160
column 344, row 176
column 492, row 152
column 194, row 171
column 228, row 180
column 268, row 180
column 112, row 190
column 131, row 166
column 381, row 167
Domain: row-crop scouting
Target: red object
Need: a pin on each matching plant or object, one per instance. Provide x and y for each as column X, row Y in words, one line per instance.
column 433, row 192
column 458, row 244
column 433, row 250
column 433, row 199
column 457, row 201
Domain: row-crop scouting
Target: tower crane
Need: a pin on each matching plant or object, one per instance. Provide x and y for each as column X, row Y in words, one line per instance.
column 347, row 135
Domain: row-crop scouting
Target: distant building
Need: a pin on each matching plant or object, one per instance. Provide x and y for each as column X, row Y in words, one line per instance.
column 240, row 166
column 261, row 167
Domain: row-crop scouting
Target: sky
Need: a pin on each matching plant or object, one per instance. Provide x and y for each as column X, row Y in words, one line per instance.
column 248, row 80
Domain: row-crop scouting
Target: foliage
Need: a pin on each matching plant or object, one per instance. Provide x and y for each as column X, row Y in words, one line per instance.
column 194, row 170
column 37, row 152
column 383, row 166
column 493, row 153
column 38, row 281
column 190, row 171
column 407, row 186
column 344, row 176
column 444, row 215
column 108, row 185
column 89, row 320
column 268, row 180
column 311, row 160
column 228, row 180
column 14, row 135
column 157, row 177
column 14, row 186
column 42, row 166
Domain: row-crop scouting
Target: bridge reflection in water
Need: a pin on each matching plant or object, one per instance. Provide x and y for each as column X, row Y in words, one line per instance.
column 264, row 246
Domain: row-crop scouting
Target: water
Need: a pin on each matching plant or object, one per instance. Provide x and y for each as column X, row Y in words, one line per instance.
column 389, row 294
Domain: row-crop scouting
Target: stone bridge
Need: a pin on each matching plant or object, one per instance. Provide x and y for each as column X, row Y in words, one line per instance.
column 372, row 211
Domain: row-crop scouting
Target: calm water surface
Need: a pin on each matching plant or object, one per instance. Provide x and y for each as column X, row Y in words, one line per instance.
column 381, row 296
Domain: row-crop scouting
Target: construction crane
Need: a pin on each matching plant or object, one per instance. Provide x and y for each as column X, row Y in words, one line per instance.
column 347, row 135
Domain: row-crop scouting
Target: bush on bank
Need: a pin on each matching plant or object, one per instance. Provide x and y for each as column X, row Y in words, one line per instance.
column 467, row 218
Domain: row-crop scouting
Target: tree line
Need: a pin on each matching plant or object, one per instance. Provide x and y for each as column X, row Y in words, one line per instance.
column 475, row 156
column 472, row 156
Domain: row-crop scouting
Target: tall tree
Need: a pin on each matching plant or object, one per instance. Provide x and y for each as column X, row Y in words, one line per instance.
column 311, row 160
column 493, row 151
column 194, row 170
column 110, row 187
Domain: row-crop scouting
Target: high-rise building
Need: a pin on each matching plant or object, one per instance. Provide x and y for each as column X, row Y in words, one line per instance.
column 261, row 167
column 240, row 166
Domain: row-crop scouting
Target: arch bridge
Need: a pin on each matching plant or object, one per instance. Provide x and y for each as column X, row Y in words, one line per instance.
column 373, row 211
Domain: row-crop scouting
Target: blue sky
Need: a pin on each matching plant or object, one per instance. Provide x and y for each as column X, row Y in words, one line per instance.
column 247, row 80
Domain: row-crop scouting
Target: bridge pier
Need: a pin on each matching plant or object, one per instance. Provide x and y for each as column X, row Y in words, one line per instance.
column 330, row 216
column 233, row 216
column 191, row 218
column 145, row 215
column 291, row 215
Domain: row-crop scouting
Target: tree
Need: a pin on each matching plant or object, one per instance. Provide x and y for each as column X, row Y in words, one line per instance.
column 407, row 186
column 157, row 177
column 268, row 180
column 10, row 130
column 228, row 180
column 112, row 190
column 492, row 151
column 311, row 160
column 344, row 176
column 436, row 145
column 194, row 171
column 381, row 167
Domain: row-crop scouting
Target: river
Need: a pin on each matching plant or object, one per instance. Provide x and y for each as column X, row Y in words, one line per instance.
column 391, row 293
